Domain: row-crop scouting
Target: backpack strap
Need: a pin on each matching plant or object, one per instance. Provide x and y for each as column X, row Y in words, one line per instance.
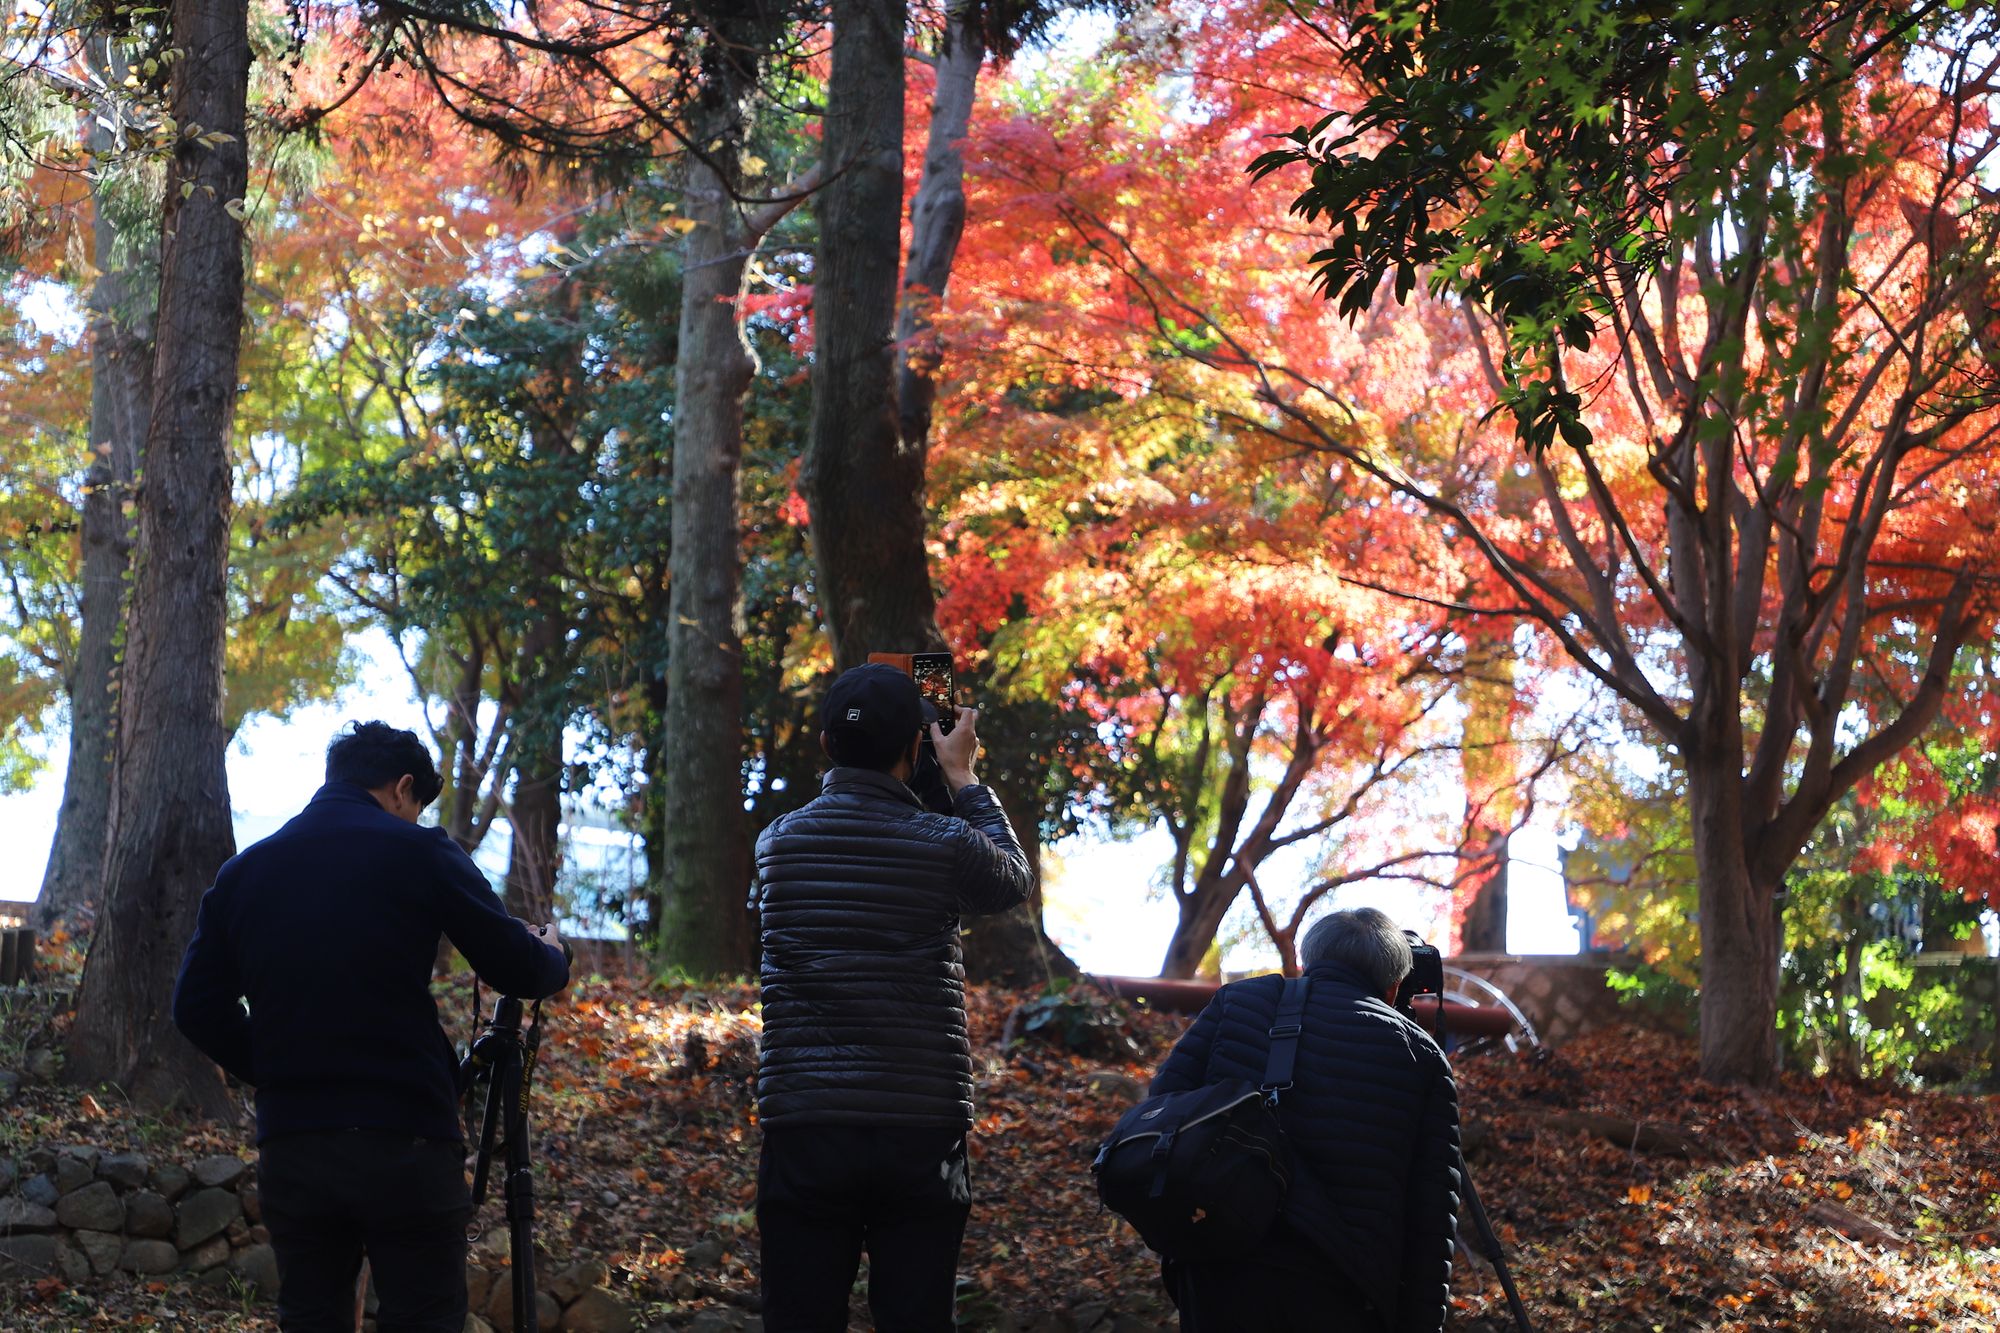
column 1285, row 1029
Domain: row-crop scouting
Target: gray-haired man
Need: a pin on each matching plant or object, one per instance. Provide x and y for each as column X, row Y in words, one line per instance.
column 1366, row 1238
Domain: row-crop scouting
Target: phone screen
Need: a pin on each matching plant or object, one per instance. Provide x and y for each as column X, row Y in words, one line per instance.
column 933, row 675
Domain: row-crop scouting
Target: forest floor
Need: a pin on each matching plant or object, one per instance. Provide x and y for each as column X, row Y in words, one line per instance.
column 1821, row 1205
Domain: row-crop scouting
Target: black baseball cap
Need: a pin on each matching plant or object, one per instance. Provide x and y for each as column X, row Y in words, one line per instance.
column 877, row 704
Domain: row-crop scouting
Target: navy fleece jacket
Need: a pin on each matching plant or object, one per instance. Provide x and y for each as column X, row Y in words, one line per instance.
column 329, row 928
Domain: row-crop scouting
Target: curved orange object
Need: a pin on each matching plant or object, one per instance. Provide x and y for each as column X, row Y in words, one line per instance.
column 1187, row 997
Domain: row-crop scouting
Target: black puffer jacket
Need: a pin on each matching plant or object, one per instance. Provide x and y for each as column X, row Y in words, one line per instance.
column 864, row 987
column 1372, row 1116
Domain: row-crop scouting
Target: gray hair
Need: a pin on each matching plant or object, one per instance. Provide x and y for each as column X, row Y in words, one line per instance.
column 1362, row 939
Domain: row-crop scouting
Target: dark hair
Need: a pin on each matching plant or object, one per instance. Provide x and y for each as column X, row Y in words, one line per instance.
column 375, row 754
column 851, row 747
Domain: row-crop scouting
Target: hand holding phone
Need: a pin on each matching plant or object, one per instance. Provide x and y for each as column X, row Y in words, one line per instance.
column 958, row 748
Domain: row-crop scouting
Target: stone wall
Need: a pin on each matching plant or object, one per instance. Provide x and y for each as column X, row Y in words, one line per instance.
column 80, row 1213
column 1564, row 995
column 75, row 1212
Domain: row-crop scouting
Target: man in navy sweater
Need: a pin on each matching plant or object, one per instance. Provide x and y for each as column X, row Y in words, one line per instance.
column 329, row 928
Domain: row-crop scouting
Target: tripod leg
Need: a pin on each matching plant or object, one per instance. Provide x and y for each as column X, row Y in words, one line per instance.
column 520, row 1193
column 1490, row 1242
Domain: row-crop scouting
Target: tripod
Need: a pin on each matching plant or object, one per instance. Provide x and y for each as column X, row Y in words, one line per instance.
column 502, row 1059
column 1426, row 977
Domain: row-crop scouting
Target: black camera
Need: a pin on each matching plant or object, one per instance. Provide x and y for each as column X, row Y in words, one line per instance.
column 1426, row 973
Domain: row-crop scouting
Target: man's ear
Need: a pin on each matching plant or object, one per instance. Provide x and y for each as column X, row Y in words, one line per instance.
column 406, row 789
column 824, row 748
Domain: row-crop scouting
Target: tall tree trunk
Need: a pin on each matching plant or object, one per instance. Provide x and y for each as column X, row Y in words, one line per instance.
column 1486, row 763
column 703, row 849
column 1201, row 914
column 1740, row 934
column 534, row 821
column 937, row 223
column 121, row 396
column 170, row 824
column 863, row 483
column 1012, row 948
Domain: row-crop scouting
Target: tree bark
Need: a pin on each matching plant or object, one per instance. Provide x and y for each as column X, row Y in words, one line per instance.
column 863, row 483
column 170, row 823
column 1012, row 948
column 937, row 223
column 704, row 845
column 1740, row 935
column 1485, row 926
column 534, row 823
column 1201, row 914
column 121, row 395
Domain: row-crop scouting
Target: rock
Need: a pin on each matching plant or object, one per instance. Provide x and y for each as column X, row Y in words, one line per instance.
column 127, row 1170
column 41, row 1190
column 1089, row 1315
column 500, row 1300
column 87, row 1153
column 41, row 1066
column 73, row 1173
column 209, row 1254
column 27, row 1256
column 598, row 1311
column 220, row 1171
column 75, row 1265
column 260, row 1235
column 95, row 1207
column 683, row 1287
column 170, row 1181
column 8, row 1175
column 474, row 1324
column 10, row 1086
column 37, row 1160
column 148, row 1215
column 258, row 1266
column 204, row 1213
column 18, row 1215
column 1117, row 1087
column 494, row 1244
column 149, row 1256
column 478, row 1286
column 609, row 1198
column 754, row 1324
column 102, row 1248
column 578, row 1278
column 237, row 1232
column 716, row 1321
column 253, row 1202
column 704, row 1253
column 548, row 1314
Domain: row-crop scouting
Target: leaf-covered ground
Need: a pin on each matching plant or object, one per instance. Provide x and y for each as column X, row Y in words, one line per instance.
column 1822, row 1206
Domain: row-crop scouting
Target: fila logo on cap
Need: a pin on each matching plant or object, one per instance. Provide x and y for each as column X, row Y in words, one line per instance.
column 854, row 715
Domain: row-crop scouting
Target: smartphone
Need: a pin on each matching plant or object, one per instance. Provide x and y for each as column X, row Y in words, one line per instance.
column 933, row 676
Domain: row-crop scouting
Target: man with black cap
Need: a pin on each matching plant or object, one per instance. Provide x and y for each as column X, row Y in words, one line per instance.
column 864, row 1085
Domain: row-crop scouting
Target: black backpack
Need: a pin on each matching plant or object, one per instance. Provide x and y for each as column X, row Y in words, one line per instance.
column 1204, row 1173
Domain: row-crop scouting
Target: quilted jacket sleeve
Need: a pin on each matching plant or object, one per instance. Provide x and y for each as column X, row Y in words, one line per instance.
column 991, row 870
column 1187, row 1064
column 1431, row 1224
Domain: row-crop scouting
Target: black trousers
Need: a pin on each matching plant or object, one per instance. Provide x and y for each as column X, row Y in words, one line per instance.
column 825, row 1193
column 331, row 1197
column 1287, row 1288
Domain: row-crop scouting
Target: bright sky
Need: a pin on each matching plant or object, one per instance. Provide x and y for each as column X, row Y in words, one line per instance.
column 1099, row 906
